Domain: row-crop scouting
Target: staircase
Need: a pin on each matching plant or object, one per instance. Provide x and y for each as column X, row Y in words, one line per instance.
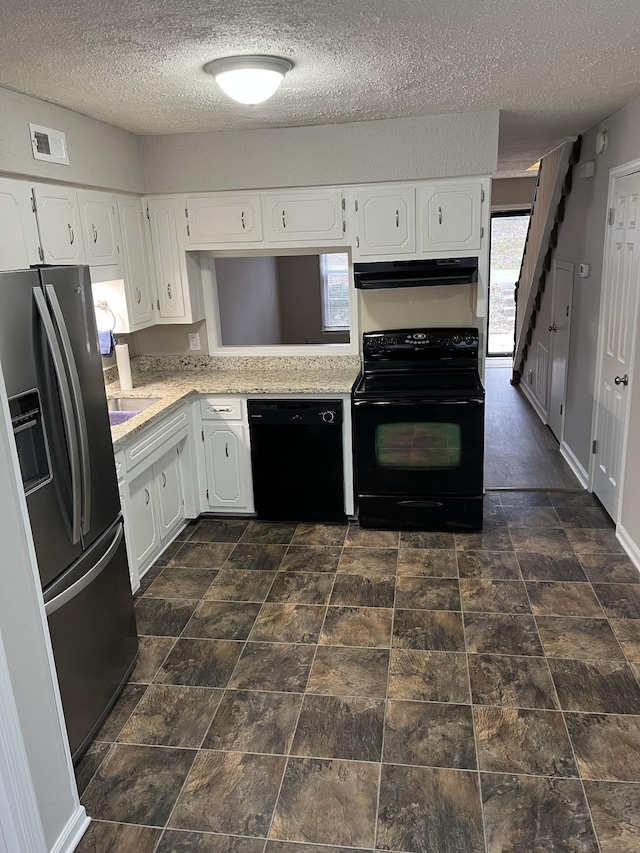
column 547, row 213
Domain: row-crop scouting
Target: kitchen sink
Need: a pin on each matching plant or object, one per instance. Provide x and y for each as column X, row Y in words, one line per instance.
column 121, row 409
column 130, row 404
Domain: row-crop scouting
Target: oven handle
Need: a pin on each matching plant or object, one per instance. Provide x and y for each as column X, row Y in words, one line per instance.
column 474, row 401
column 421, row 504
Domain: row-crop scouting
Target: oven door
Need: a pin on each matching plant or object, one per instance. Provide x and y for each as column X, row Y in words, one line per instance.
column 419, row 447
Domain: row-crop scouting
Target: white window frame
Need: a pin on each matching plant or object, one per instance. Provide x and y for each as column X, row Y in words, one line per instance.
column 327, row 326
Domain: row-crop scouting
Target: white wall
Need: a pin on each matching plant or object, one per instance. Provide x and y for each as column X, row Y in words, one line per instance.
column 512, row 193
column 249, row 300
column 300, row 291
column 27, row 648
column 351, row 153
column 581, row 240
column 99, row 155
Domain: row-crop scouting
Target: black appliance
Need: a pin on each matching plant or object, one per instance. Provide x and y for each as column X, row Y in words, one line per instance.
column 421, row 273
column 297, row 460
column 53, row 373
column 418, row 420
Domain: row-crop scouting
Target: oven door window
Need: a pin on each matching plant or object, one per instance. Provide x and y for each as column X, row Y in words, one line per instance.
column 419, row 446
column 422, row 448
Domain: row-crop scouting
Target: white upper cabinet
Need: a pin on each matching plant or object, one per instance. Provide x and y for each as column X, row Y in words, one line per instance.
column 136, row 262
column 19, row 233
column 166, row 257
column 386, row 221
column 59, row 224
column 451, row 217
column 304, row 217
column 223, row 219
column 99, row 217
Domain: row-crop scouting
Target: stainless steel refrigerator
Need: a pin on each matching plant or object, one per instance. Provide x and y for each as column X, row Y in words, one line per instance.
column 53, row 373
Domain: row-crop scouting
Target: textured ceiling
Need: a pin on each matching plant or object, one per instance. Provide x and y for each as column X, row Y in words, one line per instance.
column 552, row 68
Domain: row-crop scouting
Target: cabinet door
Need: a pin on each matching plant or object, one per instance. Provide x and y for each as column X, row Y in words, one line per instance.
column 386, row 221
column 293, row 217
column 168, row 477
column 59, row 223
column 451, row 217
column 98, row 214
column 227, row 462
column 224, row 219
column 136, row 262
column 164, row 241
column 19, row 233
column 144, row 533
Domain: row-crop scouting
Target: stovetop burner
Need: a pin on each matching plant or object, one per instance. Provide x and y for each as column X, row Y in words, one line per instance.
column 419, row 383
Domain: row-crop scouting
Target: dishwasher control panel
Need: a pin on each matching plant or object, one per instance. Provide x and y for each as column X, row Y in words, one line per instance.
column 295, row 412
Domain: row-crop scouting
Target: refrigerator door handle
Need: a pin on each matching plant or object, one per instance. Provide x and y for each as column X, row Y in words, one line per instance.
column 83, row 582
column 67, row 414
column 78, row 405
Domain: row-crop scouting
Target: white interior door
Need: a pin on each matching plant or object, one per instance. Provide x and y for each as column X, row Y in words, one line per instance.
column 620, row 281
column 559, row 345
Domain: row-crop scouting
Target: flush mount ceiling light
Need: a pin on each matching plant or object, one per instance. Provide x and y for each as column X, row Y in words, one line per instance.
column 249, row 79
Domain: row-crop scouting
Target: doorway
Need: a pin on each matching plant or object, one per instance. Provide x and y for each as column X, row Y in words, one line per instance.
column 508, row 237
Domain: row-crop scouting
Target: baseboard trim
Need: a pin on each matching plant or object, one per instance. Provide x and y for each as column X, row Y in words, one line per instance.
column 629, row 546
column 574, row 463
column 531, row 397
column 70, row 836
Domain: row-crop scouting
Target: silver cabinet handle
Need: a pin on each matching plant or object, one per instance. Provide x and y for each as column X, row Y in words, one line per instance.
column 284, row 221
column 95, row 233
column 169, row 290
column 147, row 497
column 439, row 216
column 72, row 236
column 138, row 295
column 164, row 479
column 553, row 328
column 242, row 220
column 226, row 450
column 220, row 408
column 622, row 380
column 397, row 218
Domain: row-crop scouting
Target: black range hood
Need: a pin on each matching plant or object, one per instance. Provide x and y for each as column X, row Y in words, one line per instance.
column 423, row 273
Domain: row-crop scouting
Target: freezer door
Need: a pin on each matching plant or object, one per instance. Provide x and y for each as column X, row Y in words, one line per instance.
column 68, row 294
column 44, row 428
column 93, row 634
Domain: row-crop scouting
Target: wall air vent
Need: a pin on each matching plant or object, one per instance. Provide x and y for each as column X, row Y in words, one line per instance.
column 48, row 144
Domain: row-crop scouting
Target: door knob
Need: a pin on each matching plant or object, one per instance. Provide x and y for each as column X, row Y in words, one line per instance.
column 553, row 328
column 622, row 380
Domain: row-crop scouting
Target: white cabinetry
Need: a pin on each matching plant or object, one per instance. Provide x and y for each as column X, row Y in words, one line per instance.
column 451, row 217
column 136, row 262
column 227, row 457
column 177, row 275
column 158, row 488
column 19, row 233
column 304, row 217
column 222, row 219
column 386, row 221
column 99, row 217
column 59, row 224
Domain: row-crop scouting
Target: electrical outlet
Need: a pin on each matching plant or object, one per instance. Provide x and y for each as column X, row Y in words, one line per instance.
column 194, row 340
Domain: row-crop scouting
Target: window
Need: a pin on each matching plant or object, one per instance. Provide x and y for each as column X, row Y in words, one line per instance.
column 334, row 276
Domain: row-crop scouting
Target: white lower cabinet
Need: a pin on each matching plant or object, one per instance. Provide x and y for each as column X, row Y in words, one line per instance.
column 227, row 457
column 170, row 498
column 143, row 531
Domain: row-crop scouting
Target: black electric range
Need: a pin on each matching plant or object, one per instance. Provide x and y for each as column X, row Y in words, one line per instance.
column 418, row 420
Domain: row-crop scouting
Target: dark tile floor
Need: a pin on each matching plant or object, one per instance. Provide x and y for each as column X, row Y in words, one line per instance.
column 323, row 689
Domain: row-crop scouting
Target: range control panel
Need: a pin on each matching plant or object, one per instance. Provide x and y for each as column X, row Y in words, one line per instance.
column 421, row 344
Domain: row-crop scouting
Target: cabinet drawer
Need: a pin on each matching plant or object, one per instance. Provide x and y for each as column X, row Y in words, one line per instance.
column 154, row 438
column 221, row 409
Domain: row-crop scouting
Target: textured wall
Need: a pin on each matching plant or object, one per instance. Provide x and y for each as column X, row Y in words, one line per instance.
column 100, row 155
column 360, row 152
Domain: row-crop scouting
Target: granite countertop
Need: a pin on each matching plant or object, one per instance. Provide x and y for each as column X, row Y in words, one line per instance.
column 244, row 376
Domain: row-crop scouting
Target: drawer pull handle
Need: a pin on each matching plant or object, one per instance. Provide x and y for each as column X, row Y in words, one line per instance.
column 164, row 480
column 220, row 408
column 284, row 221
column 138, row 295
column 71, row 234
column 397, row 218
column 439, row 216
column 242, row 220
column 226, row 450
column 147, row 496
column 95, row 233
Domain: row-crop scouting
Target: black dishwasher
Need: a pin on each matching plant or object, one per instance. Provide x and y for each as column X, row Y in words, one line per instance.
column 296, row 458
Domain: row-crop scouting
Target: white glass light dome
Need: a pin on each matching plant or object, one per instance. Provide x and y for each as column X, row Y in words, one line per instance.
column 249, row 79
